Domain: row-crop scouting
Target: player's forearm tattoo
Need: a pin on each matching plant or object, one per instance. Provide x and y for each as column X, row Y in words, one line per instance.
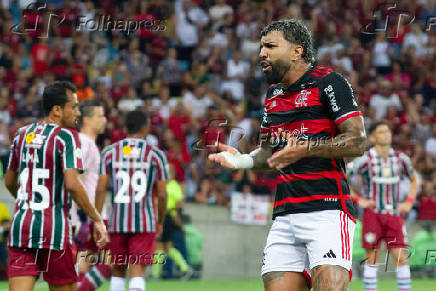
column 330, row 278
column 270, row 277
column 261, row 154
column 351, row 142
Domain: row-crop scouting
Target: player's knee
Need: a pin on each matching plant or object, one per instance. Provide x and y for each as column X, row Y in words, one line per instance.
column 330, row 278
column 280, row 280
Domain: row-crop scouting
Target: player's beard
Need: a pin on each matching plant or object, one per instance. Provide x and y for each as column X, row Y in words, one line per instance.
column 277, row 72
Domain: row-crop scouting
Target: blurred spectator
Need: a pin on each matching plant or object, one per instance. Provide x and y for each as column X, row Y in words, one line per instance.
column 382, row 54
column 237, row 71
column 220, row 9
column 186, row 30
column 382, row 100
column 4, row 146
column 164, row 104
column 197, row 102
column 137, row 66
column 131, row 102
column 40, row 56
column 171, row 73
column 416, row 38
column 28, row 108
column 427, row 202
column 430, row 145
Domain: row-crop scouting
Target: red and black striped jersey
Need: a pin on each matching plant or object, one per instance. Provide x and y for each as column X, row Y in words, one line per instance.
column 40, row 153
column 310, row 109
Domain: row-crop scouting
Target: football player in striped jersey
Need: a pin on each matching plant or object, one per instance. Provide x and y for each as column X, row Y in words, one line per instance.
column 133, row 167
column 44, row 165
column 382, row 168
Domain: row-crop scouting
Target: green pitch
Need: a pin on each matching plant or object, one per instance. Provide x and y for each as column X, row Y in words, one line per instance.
column 246, row 285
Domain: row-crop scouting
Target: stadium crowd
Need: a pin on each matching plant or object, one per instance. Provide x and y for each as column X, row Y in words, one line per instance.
column 195, row 72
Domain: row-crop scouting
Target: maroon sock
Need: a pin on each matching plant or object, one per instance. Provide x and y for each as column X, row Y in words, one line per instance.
column 85, row 285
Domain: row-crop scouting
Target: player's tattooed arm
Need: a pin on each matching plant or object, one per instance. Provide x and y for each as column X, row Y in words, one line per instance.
column 11, row 182
column 262, row 153
column 351, row 142
column 330, row 278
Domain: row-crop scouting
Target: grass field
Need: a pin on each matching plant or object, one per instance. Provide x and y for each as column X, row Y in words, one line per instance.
column 247, row 285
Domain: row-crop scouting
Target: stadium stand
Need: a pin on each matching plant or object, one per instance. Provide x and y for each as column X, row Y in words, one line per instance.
column 196, row 62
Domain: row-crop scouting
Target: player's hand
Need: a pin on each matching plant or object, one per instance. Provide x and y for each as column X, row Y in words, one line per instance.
column 101, row 237
column 365, row 203
column 221, row 159
column 404, row 207
column 292, row 152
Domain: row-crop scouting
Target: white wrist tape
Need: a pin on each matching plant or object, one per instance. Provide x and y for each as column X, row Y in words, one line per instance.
column 239, row 161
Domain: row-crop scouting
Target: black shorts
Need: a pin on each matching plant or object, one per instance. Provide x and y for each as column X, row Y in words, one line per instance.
column 168, row 228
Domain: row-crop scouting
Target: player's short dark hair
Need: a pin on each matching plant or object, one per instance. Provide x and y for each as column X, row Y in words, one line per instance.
column 87, row 109
column 296, row 32
column 55, row 94
column 135, row 120
column 376, row 124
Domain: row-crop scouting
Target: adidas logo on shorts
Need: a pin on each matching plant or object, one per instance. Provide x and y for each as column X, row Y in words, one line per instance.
column 330, row 254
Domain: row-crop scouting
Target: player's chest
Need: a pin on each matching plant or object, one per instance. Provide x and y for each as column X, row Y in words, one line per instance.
column 380, row 168
column 283, row 102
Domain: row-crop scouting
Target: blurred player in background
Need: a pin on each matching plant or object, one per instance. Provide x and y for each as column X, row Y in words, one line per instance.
column 173, row 220
column 311, row 122
column 133, row 167
column 382, row 168
column 92, row 122
column 43, row 171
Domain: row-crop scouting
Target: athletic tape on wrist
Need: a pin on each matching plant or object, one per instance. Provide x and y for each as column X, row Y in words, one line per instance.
column 239, row 161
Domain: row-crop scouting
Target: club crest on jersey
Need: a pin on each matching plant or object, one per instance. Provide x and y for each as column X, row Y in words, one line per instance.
column 277, row 91
column 127, row 150
column 131, row 152
column 301, row 98
column 34, row 140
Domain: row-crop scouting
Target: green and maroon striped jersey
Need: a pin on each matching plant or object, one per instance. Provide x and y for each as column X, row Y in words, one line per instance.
column 40, row 153
column 133, row 167
column 382, row 177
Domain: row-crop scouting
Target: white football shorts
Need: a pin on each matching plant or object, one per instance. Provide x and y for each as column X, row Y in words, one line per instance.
column 301, row 241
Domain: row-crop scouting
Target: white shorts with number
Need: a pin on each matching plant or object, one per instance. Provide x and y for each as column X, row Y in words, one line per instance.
column 302, row 241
